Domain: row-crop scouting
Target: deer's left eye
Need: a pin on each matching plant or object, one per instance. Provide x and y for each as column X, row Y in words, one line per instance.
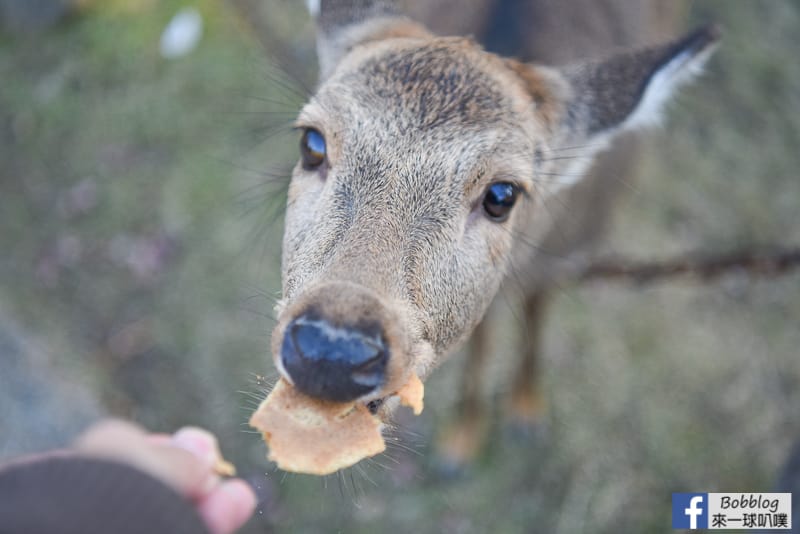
column 312, row 149
column 499, row 199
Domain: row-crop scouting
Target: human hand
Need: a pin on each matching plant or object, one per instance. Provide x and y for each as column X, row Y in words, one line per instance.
column 185, row 461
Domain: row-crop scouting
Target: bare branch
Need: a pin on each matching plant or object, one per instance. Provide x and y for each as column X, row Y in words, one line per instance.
column 768, row 263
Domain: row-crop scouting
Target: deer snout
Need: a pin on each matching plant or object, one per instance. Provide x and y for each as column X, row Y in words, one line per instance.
column 342, row 341
column 337, row 363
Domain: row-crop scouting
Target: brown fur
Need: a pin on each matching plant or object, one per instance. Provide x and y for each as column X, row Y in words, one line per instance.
column 541, row 89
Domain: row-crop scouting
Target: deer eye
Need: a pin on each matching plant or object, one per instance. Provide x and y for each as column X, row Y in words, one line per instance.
column 312, row 149
column 499, row 199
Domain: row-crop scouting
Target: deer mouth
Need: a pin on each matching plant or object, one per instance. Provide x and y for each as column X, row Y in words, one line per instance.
column 346, row 362
column 375, row 405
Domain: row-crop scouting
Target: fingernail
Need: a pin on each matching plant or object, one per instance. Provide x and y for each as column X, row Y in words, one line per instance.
column 198, row 442
column 228, row 507
column 240, row 491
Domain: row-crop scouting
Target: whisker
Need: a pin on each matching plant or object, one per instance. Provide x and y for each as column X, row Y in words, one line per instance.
column 575, row 147
column 340, row 478
column 263, row 133
column 522, row 288
column 544, row 202
column 260, row 314
column 279, row 78
column 268, row 113
column 295, row 105
column 396, row 442
column 373, row 461
column 364, row 474
column 559, row 158
column 560, row 175
column 253, row 395
column 390, row 458
column 355, row 488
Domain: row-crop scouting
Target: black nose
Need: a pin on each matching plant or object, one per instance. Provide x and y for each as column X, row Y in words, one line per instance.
column 333, row 363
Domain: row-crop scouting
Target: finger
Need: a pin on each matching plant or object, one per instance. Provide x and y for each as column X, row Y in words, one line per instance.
column 189, row 475
column 159, row 438
column 108, row 432
column 199, row 442
column 175, row 465
column 228, row 507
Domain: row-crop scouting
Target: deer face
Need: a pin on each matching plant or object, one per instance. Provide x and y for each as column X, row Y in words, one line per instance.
column 401, row 211
column 421, row 160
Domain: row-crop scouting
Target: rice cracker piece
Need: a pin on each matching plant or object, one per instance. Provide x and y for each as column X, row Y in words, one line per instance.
column 412, row 394
column 307, row 435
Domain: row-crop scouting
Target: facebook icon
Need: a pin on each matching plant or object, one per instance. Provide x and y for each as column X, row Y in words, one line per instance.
column 690, row 510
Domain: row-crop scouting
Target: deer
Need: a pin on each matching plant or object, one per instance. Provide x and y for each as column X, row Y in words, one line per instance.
column 432, row 165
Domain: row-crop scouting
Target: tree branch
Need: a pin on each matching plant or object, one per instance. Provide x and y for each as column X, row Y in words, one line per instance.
column 768, row 262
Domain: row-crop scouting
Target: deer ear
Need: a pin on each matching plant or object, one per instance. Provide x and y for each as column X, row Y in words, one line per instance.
column 343, row 24
column 630, row 90
column 585, row 106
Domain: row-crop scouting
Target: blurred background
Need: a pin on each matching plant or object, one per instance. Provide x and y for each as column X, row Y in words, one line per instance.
column 143, row 150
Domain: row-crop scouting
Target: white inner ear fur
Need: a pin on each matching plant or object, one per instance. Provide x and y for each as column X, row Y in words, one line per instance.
column 673, row 75
column 676, row 73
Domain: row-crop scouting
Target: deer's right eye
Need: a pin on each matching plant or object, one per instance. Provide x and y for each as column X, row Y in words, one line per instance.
column 312, row 149
column 499, row 199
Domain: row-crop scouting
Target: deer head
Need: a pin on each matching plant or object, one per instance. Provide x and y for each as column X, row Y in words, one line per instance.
column 421, row 160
